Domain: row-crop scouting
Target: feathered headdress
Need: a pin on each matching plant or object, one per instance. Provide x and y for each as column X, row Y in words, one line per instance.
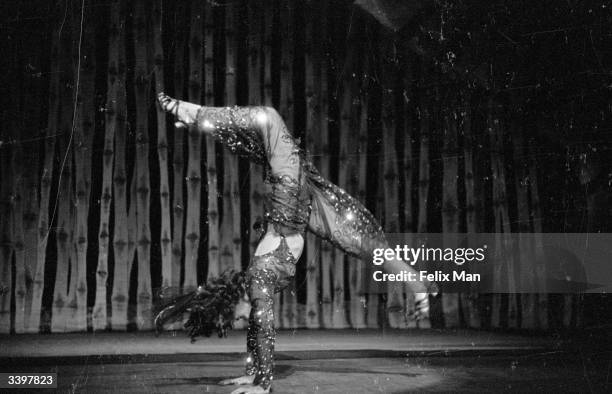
column 210, row 306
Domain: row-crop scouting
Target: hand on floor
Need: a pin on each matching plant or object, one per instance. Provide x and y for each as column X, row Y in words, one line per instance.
column 250, row 389
column 247, row 379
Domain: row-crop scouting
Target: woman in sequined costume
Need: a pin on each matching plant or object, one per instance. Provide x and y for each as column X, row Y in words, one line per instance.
column 296, row 199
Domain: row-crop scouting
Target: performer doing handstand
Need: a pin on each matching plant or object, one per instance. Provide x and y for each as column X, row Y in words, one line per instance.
column 296, row 199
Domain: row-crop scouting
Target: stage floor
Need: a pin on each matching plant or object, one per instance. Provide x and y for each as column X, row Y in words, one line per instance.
column 324, row 361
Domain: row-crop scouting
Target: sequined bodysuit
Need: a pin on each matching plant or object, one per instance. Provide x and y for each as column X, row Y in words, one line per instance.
column 297, row 198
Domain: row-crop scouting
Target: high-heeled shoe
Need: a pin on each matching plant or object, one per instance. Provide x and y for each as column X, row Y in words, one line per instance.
column 171, row 105
column 421, row 307
column 421, row 303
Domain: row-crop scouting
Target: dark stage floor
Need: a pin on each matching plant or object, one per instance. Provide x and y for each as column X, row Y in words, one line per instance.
column 345, row 361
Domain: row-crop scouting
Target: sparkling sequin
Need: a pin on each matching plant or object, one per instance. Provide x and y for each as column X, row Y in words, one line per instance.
column 238, row 128
column 341, row 219
column 297, row 196
column 287, row 204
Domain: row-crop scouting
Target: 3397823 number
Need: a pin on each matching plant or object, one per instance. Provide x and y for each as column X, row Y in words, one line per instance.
column 30, row 380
